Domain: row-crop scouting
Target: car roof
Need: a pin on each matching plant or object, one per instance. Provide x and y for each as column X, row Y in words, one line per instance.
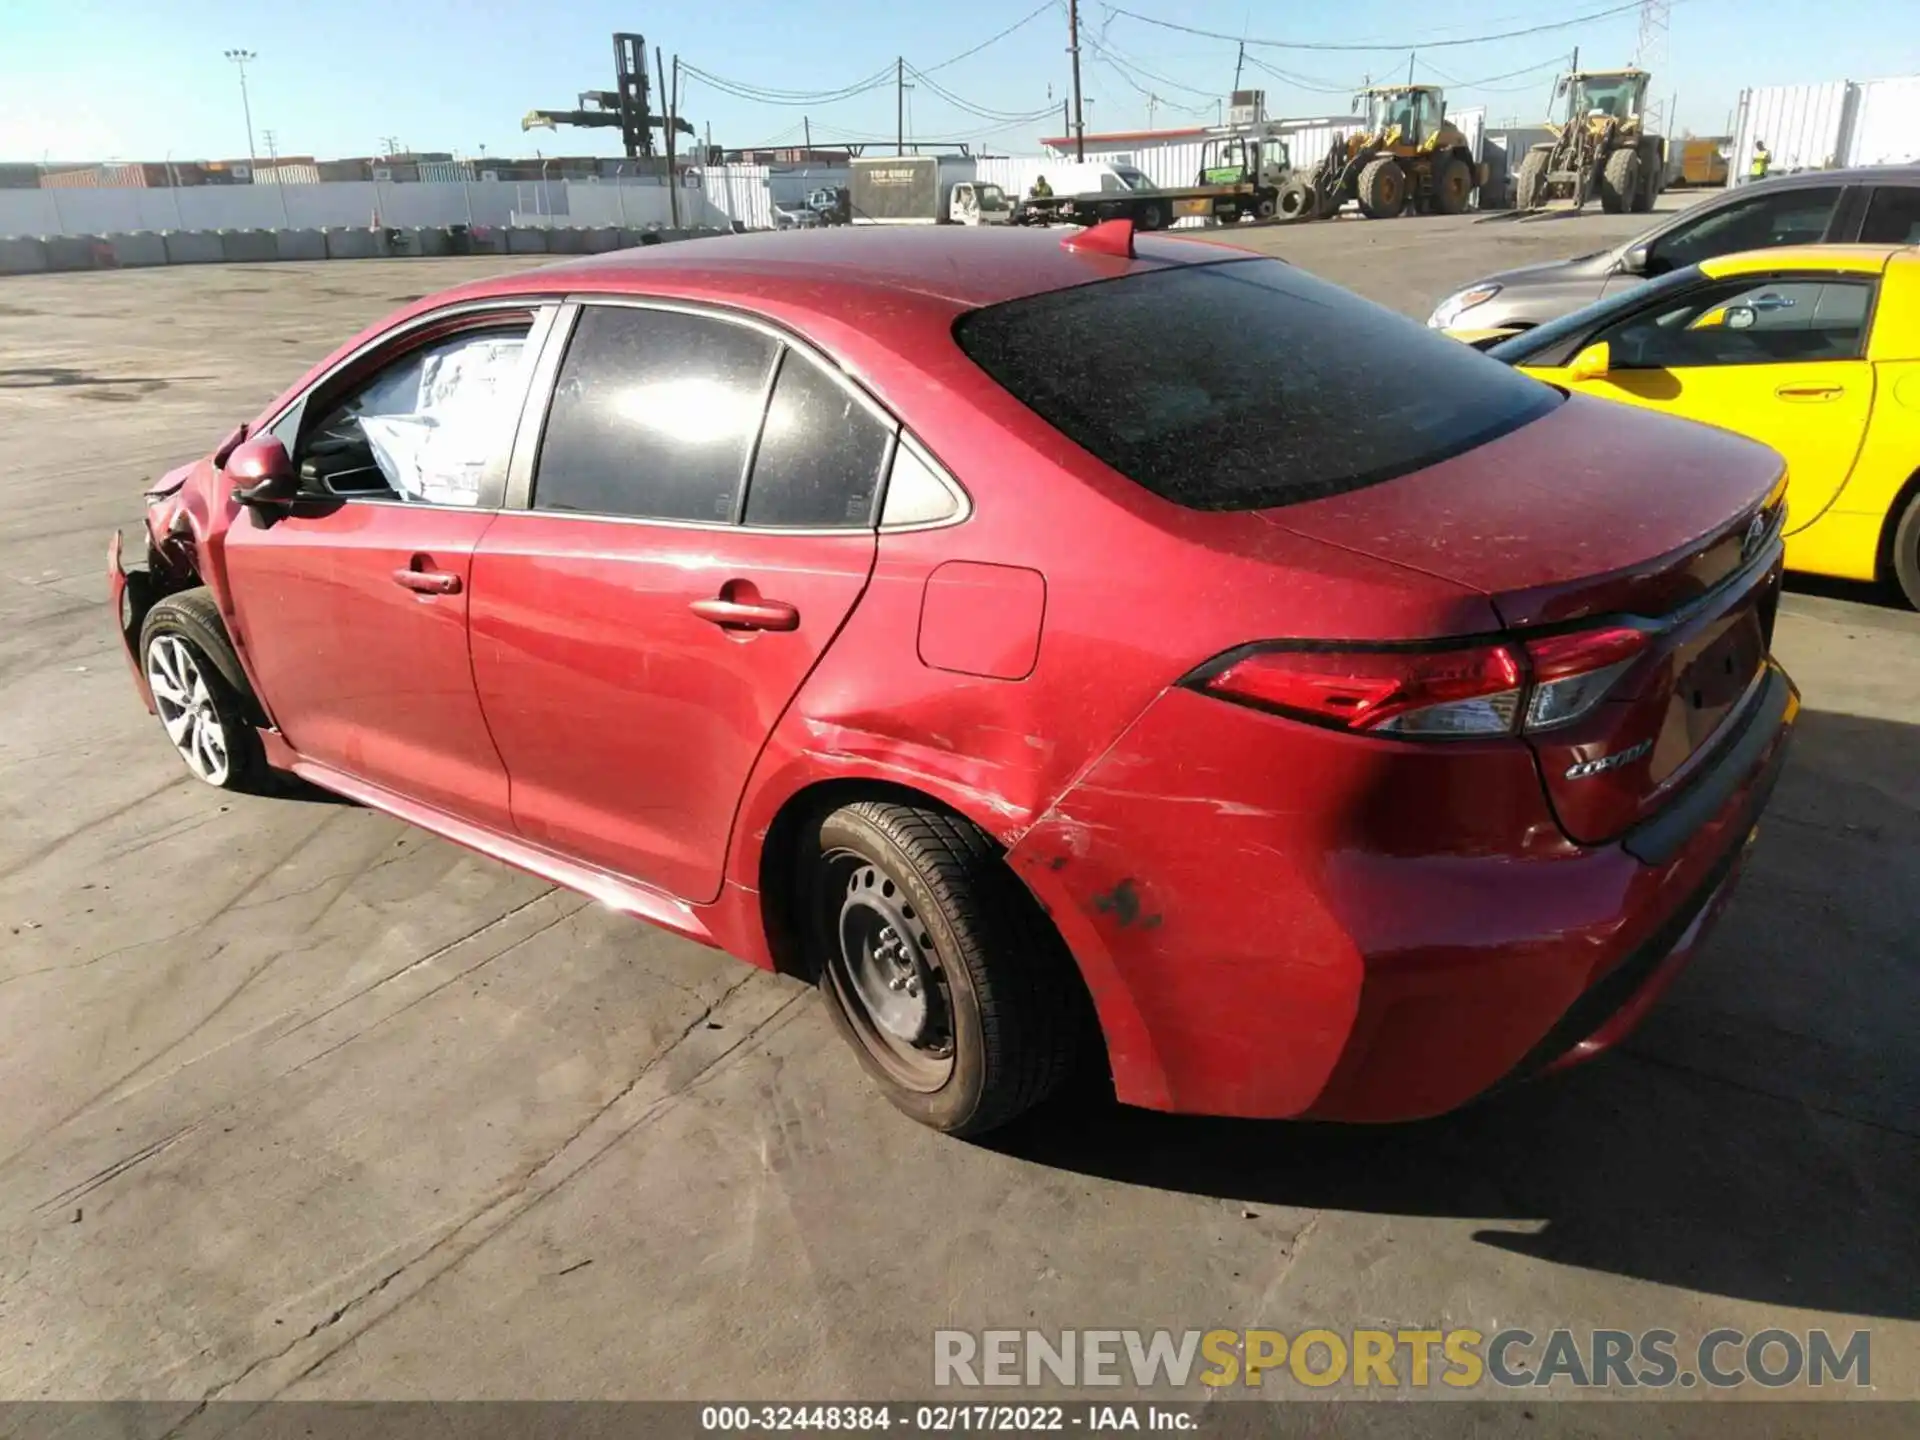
column 1857, row 175
column 946, row 268
column 1849, row 259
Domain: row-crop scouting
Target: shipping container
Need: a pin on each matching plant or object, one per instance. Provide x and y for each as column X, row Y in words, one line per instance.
column 1886, row 122
column 287, row 172
column 1803, row 126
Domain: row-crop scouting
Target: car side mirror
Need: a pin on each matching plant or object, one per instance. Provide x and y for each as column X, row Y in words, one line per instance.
column 1739, row 317
column 1592, row 363
column 1634, row 261
column 264, row 474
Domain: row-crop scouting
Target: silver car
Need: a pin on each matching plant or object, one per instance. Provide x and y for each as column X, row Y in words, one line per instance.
column 1876, row 206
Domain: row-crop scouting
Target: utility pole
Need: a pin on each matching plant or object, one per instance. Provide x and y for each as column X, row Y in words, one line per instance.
column 240, row 59
column 670, row 98
column 1410, row 69
column 1239, row 61
column 806, row 129
column 1152, row 101
column 899, row 105
column 1073, row 49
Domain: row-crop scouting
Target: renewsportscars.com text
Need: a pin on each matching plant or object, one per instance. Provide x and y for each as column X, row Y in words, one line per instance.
column 1406, row 1358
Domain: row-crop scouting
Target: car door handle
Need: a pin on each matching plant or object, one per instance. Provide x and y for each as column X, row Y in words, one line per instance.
column 748, row 614
column 1810, row 392
column 427, row 582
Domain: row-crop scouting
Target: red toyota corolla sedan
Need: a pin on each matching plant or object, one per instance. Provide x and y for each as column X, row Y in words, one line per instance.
column 1061, row 653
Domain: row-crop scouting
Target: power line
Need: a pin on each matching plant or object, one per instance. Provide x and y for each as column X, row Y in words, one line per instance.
column 1554, row 63
column 1119, row 58
column 1026, row 19
column 980, row 111
column 1402, row 45
column 742, row 90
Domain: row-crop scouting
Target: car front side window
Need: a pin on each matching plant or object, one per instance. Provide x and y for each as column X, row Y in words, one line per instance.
column 431, row 427
column 1759, row 222
column 1746, row 322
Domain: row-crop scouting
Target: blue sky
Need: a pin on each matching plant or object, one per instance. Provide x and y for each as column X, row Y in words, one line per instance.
column 129, row 80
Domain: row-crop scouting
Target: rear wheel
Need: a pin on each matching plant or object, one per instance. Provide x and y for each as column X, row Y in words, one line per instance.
column 1151, row 216
column 1530, row 188
column 1452, row 184
column 1382, row 189
column 938, row 967
column 1904, row 562
column 183, row 651
column 1620, row 181
column 1295, row 201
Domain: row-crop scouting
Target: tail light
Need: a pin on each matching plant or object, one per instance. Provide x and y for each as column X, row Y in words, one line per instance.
column 1500, row 688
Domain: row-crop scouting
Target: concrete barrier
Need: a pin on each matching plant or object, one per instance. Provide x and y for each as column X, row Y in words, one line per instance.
column 300, row 244
column 429, row 240
column 486, row 240
column 567, row 240
column 602, row 238
column 355, row 243
column 138, row 247
column 249, row 245
column 75, row 252
column 22, row 255
column 193, row 247
column 525, row 240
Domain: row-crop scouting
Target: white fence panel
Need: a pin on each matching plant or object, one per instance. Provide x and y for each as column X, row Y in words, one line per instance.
column 1886, row 122
column 736, row 194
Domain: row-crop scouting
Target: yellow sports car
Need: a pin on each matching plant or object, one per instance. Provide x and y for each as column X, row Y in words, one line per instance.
column 1814, row 351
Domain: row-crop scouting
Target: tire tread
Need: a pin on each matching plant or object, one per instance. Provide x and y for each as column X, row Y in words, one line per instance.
column 1023, row 980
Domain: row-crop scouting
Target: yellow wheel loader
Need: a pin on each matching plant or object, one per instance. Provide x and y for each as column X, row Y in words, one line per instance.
column 1601, row 146
column 1409, row 157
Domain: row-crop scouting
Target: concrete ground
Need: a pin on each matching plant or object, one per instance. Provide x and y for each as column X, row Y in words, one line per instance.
column 296, row 1101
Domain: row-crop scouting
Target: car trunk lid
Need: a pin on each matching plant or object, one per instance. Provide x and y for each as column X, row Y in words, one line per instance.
column 1601, row 534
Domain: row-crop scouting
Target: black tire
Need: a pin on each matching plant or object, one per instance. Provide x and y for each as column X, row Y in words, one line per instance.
column 1652, row 171
column 1530, row 188
column 1382, row 188
column 1003, row 997
column 1903, row 563
column 1452, row 185
column 1151, row 216
column 1295, row 200
column 1620, row 181
column 219, row 723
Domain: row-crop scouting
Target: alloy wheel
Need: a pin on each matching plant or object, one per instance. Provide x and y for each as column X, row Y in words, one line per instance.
column 186, row 708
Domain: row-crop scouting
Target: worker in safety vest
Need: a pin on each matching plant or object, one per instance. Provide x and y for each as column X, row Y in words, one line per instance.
column 1041, row 189
column 1761, row 160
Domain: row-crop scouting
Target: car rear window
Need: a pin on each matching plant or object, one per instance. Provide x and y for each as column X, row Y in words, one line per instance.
column 1245, row 384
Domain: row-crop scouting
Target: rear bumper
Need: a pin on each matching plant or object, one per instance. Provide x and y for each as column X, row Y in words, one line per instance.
column 1341, row 937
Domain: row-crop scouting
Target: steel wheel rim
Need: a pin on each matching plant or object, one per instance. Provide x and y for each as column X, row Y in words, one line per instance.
column 186, row 709
column 887, row 973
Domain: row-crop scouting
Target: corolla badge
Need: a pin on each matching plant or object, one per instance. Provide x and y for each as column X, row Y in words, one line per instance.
column 1756, row 534
column 1608, row 762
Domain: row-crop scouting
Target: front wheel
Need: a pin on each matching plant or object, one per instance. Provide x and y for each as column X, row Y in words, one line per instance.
column 183, row 647
column 1152, row 216
column 938, row 967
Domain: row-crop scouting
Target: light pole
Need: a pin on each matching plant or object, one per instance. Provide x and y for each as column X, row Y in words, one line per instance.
column 240, row 58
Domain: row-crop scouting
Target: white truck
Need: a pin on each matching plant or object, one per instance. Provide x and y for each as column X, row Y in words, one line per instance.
column 924, row 190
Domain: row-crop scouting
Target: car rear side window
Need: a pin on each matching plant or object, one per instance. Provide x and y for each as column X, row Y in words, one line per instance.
column 1245, row 384
column 653, row 415
column 819, row 459
column 1893, row 216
